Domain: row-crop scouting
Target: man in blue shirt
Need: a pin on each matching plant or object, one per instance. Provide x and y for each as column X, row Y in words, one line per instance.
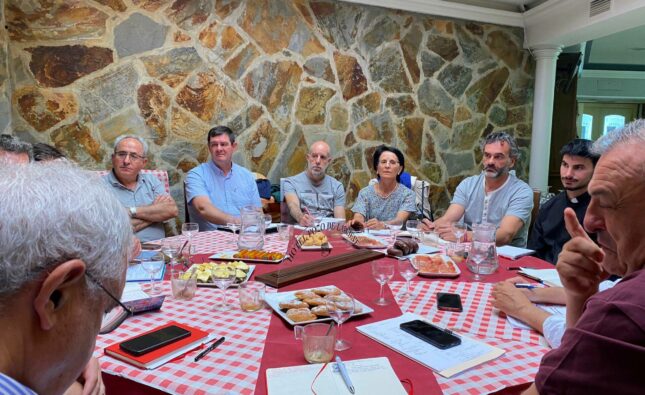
column 218, row 189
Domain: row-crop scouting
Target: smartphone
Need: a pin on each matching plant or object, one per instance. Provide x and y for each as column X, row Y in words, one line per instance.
column 440, row 338
column 151, row 341
column 449, row 302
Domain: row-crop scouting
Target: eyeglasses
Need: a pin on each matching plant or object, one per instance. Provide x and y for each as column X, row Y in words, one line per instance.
column 391, row 162
column 134, row 157
column 318, row 156
column 114, row 298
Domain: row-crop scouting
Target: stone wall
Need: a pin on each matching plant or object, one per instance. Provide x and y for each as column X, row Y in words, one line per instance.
column 5, row 89
column 281, row 73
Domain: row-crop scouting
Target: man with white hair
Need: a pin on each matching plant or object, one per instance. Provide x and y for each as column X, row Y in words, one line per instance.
column 12, row 150
column 604, row 346
column 143, row 195
column 312, row 193
column 63, row 259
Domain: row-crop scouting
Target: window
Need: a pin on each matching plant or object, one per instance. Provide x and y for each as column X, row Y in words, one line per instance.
column 613, row 122
column 587, row 126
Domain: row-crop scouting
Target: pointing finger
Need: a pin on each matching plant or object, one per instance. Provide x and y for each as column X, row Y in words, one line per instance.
column 573, row 226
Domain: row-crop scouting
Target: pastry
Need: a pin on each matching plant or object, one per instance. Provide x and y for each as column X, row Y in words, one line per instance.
column 320, row 311
column 293, row 304
column 317, row 301
column 300, row 315
column 306, row 294
column 326, row 291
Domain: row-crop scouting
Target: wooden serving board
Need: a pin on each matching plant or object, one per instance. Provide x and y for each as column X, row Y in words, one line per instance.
column 283, row 277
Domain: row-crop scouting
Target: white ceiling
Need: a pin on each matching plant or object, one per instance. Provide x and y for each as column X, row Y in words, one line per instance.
column 506, row 5
column 620, row 51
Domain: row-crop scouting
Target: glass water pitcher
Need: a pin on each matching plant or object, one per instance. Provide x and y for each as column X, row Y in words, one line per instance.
column 484, row 234
column 251, row 236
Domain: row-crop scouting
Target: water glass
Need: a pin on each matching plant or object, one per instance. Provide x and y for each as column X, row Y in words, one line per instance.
column 251, row 295
column 478, row 252
column 233, row 226
column 411, row 227
column 318, row 341
column 394, row 231
column 188, row 230
column 408, row 270
column 382, row 271
column 153, row 265
column 183, row 284
column 285, row 232
column 223, row 282
column 340, row 308
column 171, row 248
column 267, row 220
column 459, row 230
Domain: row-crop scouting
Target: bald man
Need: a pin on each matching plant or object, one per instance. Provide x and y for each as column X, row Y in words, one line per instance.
column 313, row 193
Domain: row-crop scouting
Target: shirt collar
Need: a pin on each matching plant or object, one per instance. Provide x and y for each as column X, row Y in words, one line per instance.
column 11, row 383
column 115, row 181
column 219, row 171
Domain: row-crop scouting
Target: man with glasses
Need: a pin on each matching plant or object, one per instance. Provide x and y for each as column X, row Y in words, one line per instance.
column 217, row 190
column 495, row 196
column 143, row 195
column 312, row 193
column 53, row 252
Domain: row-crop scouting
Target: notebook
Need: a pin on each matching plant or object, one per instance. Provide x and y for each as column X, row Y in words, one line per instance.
column 512, row 252
column 160, row 356
column 368, row 376
column 446, row 362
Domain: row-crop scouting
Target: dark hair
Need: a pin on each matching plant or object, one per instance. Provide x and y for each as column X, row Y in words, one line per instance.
column 384, row 148
column 582, row 148
column 218, row 131
column 502, row 137
column 44, row 151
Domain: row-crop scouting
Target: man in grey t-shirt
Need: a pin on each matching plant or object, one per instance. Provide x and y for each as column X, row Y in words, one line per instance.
column 495, row 196
column 312, row 193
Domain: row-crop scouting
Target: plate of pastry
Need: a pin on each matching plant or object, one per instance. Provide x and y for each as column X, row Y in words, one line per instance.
column 313, row 241
column 308, row 305
column 363, row 240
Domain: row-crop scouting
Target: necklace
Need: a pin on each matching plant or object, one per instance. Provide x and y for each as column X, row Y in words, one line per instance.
column 383, row 195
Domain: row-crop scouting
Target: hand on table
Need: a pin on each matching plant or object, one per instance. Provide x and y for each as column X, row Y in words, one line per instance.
column 374, row 223
column 445, row 232
column 509, row 299
column 306, row 220
column 580, row 262
column 426, row 225
column 136, row 247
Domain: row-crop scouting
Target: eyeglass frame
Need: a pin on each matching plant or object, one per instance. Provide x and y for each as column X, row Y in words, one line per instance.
column 114, row 298
column 392, row 162
column 122, row 155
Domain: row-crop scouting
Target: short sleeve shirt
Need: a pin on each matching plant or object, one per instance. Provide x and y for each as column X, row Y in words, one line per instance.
column 514, row 198
column 228, row 193
column 321, row 199
column 370, row 205
column 147, row 189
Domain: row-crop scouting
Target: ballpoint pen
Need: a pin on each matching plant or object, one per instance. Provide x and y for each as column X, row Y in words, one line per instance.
column 343, row 372
column 526, row 286
column 209, row 349
column 531, row 277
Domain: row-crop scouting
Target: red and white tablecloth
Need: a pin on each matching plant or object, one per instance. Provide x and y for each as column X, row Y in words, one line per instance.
column 232, row 368
column 478, row 318
column 219, row 241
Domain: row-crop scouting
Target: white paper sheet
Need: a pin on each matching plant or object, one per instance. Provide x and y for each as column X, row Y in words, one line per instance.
column 548, row 276
column 512, row 252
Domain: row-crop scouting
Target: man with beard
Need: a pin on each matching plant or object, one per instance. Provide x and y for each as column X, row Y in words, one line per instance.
column 576, row 169
column 495, row 196
column 143, row 195
column 312, row 193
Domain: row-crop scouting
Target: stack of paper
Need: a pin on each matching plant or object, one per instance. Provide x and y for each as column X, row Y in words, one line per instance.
column 369, row 376
column 547, row 276
column 512, row 252
column 445, row 362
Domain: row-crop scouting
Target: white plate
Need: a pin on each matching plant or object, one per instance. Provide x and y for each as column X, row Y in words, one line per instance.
column 274, row 299
column 352, row 240
column 211, row 285
column 326, row 246
column 446, row 259
column 228, row 256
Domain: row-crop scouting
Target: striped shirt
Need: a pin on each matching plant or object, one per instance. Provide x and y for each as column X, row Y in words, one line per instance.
column 9, row 386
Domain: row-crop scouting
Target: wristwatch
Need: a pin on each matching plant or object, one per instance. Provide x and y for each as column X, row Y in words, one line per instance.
column 133, row 211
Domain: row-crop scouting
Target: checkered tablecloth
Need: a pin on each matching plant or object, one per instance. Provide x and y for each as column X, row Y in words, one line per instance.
column 232, row 368
column 479, row 316
column 517, row 366
column 218, row 241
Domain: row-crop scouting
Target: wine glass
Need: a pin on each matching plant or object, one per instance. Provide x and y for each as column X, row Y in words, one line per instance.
column 408, row 270
column 478, row 252
column 340, row 308
column 233, row 226
column 152, row 265
column 189, row 229
column 267, row 221
column 394, row 231
column 382, row 273
column 223, row 280
column 459, row 230
column 171, row 248
column 412, row 227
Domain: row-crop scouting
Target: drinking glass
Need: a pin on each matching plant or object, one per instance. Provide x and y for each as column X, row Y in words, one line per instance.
column 394, row 231
column 408, row 270
column 183, row 285
column 478, row 252
column 340, row 308
column 382, row 273
column 267, row 221
column 153, row 265
column 459, row 230
column 189, row 229
column 233, row 226
column 171, row 248
column 223, row 281
column 251, row 295
column 285, row 231
column 412, row 227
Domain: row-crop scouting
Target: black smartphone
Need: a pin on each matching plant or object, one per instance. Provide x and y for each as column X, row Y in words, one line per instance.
column 449, row 302
column 151, row 341
column 440, row 338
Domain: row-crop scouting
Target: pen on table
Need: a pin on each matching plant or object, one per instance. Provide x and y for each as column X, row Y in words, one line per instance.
column 209, row 349
column 531, row 277
column 344, row 374
column 525, row 286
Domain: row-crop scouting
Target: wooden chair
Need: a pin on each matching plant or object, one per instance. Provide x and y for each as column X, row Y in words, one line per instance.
column 536, row 208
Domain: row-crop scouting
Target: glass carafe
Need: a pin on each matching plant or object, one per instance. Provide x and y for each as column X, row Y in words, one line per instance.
column 484, row 233
column 251, row 236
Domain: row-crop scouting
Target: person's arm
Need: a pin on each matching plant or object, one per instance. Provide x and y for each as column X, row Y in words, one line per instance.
column 161, row 209
column 514, row 302
column 579, row 266
column 339, row 202
column 551, row 295
column 507, row 229
column 443, row 226
column 211, row 213
column 294, row 209
column 139, row 224
column 339, row 212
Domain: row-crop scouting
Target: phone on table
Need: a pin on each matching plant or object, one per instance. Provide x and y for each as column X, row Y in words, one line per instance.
column 438, row 337
column 151, row 341
column 449, row 302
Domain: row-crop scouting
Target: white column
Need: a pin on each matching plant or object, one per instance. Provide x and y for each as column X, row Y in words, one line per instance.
column 546, row 57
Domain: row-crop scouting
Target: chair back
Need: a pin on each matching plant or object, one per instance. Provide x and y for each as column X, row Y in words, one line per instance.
column 536, row 208
column 285, row 215
column 186, row 213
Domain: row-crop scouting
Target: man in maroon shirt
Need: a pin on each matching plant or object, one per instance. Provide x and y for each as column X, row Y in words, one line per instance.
column 603, row 349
